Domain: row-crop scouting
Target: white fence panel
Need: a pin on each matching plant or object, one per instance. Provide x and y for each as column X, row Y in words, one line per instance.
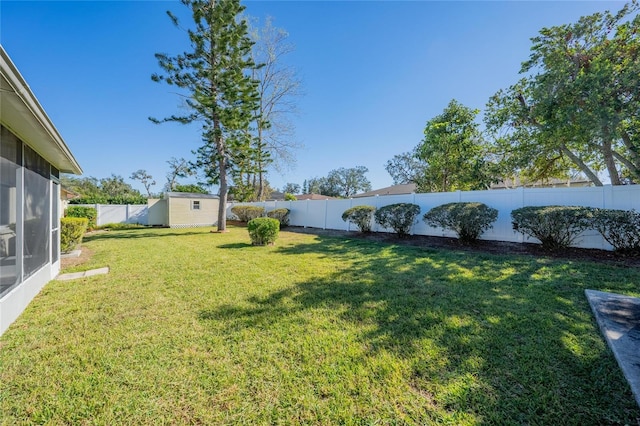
column 122, row 214
column 333, row 214
column 625, row 197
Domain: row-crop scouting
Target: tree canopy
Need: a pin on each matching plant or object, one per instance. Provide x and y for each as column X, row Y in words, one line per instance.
column 453, row 152
column 110, row 190
column 577, row 105
column 340, row 182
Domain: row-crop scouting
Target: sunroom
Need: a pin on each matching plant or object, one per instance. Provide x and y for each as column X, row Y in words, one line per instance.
column 32, row 156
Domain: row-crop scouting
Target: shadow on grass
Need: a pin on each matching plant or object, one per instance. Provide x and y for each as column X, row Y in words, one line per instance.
column 235, row 245
column 136, row 233
column 510, row 339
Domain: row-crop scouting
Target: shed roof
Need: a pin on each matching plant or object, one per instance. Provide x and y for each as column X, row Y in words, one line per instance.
column 189, row 195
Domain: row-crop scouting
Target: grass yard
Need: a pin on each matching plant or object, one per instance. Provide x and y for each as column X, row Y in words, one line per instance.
column 191, row 327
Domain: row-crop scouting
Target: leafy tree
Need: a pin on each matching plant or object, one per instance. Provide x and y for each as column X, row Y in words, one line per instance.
column 278, row 88
column 111, row 190
column 193, row 188
column 291, row 188
column 344, row 182
column 221, row 95
column 313, row 185
column 408, row 168
column 247, row 190
column 453, row 152
column 115, row 186
column 577, row 105
column 84, row 186
column 178, row 167
column 145, row 178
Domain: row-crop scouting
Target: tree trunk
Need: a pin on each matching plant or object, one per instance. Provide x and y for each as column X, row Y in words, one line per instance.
column 581, row 165
column 609, row 161
column 261, row 194
column 633, row 150
column 224, row 187
column 629, row 165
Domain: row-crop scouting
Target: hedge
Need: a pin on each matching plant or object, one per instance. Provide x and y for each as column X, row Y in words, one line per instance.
column 246, row 213
column 400, row 217
column 72, row 230
column 360, row 216
column 556, row 227
column 620, row 228
column 467, row 220
column 90, row 213
column 281, row 215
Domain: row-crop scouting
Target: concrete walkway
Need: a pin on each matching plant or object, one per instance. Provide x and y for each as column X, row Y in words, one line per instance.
column 619, row 319
column 76, row 275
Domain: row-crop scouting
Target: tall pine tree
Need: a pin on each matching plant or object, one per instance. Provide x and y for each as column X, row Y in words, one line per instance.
column 221, row 95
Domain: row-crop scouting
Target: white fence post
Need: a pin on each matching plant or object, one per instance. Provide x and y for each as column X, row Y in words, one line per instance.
column 326, row 211
column 307, row 214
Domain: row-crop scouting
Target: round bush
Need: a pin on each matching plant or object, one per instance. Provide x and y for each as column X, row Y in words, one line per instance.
column 467, row 220
column 360, row 216
column 399, row 217
column 281, row 215
column 246, row 213
column 263, row 230
column 620, row 228
column 555, row 226
column 72, row 230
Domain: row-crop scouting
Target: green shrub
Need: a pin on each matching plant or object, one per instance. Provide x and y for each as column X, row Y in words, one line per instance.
column 72, row 230
column 467, row 220
column 281, row 215
column 90, row 213
column 620, row 228
column 360, row 216
column 555, row 226
column 290, row 197
column 246, row 213
column 263, row 230
column 399, row 217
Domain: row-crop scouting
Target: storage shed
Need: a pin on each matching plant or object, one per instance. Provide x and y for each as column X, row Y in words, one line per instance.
column 183, row 210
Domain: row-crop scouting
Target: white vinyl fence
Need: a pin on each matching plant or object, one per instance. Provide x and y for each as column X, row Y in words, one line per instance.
column 326, row 214
column 120, row 213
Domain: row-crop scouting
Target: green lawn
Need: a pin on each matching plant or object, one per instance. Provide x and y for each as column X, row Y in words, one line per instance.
column 191, row 327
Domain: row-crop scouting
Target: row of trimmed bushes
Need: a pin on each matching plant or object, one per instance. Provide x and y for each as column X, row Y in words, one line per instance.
column 558, row 227
column 467, row 220
column 555, row 226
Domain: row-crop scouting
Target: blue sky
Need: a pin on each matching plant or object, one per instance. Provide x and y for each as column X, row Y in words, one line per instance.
column 373, row 73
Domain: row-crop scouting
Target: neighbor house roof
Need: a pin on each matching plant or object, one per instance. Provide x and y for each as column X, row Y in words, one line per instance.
column 548, row 183
column 406, row 188
column 303, row 197
column 22, row 114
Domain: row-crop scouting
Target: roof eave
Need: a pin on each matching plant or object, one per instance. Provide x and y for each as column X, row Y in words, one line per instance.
column 21, row 113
